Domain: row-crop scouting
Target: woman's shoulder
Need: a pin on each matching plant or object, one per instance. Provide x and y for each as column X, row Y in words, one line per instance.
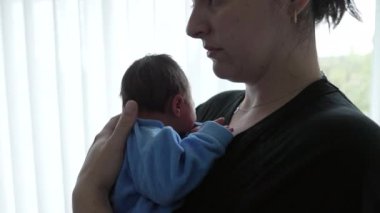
column 341, row 124
column 323, row 112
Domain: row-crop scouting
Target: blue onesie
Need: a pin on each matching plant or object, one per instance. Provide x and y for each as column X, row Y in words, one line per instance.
column 160, row 168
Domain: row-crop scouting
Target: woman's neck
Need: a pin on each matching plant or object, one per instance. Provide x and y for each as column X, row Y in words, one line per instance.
column 288, row 73
column 281, row 82
column 272, row 92
column 258, row 104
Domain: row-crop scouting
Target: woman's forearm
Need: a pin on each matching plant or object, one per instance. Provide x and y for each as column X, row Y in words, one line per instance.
column 90, row 199
column 102, row 164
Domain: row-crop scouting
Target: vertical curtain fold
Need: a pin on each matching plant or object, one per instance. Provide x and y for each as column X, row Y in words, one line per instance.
column 6, row 177
column 21, row 154
column 69, row 85
column 40, row 58
column 93, row 67
column 375, row 93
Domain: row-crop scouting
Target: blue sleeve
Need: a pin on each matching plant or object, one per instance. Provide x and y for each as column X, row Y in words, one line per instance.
column 166, row 168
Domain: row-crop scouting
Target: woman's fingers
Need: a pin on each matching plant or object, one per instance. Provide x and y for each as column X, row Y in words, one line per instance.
column 111, row 146
column 112, row 151
column 125, row 122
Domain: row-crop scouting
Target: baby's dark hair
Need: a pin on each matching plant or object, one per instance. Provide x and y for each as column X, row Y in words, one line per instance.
column 333, row 10
column 152, row 82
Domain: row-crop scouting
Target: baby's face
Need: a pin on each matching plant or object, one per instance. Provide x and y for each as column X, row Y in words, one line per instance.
column 189, row 115
column 185, row 122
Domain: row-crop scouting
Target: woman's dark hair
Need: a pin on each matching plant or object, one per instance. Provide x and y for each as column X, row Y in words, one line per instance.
column 152, row 82
column 333, row 10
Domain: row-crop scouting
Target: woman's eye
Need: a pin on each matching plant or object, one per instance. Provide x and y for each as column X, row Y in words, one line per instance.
column 216, row 2
column 192, row 4
column 204, row 2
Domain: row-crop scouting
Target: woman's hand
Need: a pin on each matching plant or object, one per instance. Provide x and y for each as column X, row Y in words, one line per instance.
column 102, row 164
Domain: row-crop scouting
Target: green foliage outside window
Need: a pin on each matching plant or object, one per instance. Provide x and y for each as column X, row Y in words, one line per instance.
column 352, row 74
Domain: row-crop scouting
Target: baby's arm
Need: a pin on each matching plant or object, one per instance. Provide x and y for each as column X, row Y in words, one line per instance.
column 168, row 168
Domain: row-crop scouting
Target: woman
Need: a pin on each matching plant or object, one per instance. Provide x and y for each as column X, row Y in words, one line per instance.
column 300, row 144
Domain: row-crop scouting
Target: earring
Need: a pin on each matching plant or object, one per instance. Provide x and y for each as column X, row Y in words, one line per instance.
column 295, row 17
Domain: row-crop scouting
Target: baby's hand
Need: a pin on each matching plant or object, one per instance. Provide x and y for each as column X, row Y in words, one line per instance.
column 196, row 127
column 220, row 121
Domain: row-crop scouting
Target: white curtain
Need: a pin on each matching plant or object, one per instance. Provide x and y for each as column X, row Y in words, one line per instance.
column 61, row 63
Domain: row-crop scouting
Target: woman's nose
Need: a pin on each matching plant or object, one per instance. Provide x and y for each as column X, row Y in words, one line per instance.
column 197, row 25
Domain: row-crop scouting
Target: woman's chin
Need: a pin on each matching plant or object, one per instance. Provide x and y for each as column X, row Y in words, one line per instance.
column 226, row 73
column 222, row 72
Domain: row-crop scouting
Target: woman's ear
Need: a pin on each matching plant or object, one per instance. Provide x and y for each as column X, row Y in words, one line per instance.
column 176, row 105
column 296, row 7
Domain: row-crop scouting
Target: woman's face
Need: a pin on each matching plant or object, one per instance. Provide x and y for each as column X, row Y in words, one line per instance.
column 242, row 37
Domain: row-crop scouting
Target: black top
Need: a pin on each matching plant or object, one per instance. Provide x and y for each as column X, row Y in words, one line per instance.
column 318, row 153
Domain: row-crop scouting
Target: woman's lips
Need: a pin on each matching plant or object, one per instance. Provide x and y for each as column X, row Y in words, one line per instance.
column 212, row 52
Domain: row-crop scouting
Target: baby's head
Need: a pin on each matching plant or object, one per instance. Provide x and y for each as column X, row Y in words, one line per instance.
column 159, row 86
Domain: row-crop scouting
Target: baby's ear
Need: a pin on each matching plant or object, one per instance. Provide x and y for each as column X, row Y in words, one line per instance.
column 176, row 105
